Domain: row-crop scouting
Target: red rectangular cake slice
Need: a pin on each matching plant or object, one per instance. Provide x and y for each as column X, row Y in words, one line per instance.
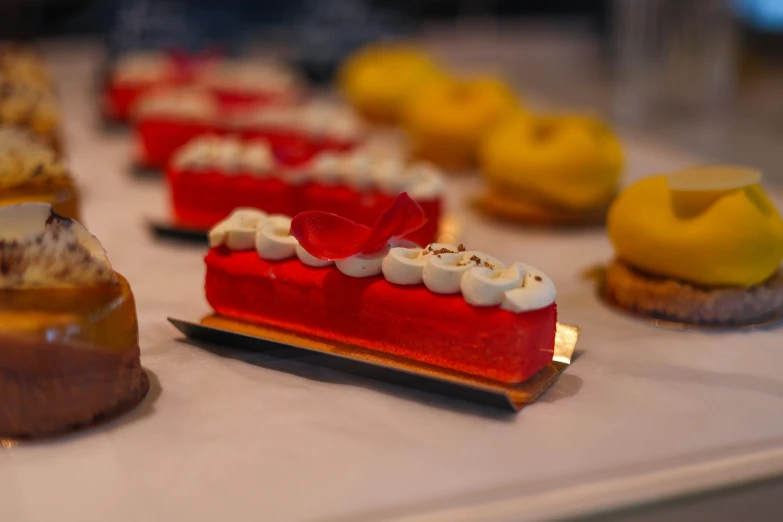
column 323, row 275
column 167, row 119
column 218, row 174
column 409, row 321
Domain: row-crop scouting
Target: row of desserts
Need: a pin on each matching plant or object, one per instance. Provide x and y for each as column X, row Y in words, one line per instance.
column 543, row 168
column 32, row 166
column 540, row 168
column 362, row 287
column 322, row 275
column 69, row 348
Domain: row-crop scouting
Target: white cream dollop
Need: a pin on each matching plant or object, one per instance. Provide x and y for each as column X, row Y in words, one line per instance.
column 363, row 265
column 310, row 260
column 273, row 239
column 404, row 266
column 537, row 291
column 483, row 286
column 238, row 231
column 41, row 249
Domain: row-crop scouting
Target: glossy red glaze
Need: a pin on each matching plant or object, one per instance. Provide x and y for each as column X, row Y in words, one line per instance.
column 201, row 200
column 408, row 321
column 120, row 99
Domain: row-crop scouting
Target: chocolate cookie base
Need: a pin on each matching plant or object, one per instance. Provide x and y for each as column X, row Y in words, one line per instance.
column 52, row 388
column 683, row 302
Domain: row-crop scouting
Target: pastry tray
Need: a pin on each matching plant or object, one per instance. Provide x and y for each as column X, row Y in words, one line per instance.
column 162, row 229
column 218, row 330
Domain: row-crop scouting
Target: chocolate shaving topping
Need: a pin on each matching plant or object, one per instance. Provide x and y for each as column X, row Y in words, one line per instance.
column 461, row 248
column 488, row 264
column 537, row 278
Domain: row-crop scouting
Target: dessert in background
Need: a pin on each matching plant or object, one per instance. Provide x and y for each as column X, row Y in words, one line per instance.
column 31, row 171
column 69, row 352
column 550, row 169
column 378, row 79
column 235, row 81
column 27, row 97
column 446, row 119
column 212, row 175
column 168, row 118
column 701, row 246
column 23, row 65
column 326, row 276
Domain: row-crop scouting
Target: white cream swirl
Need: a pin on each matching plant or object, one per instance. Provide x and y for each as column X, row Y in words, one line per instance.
column 363, row 265
column 537, row 291
column 273, row 239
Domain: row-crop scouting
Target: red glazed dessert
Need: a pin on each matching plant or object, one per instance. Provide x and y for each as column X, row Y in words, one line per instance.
column 213, row 175
column 169, row 118
column 134, row 75
column 325, row 276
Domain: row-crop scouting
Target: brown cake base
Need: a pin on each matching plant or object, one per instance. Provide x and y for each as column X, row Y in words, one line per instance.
column 52, row 388
column 510, row 207
column 686, row 303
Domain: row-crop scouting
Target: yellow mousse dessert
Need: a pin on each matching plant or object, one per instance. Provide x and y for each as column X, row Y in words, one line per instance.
column 69, row 350
column 378, row 79
column 447, row 119
column 700, row 246
column 31, row 171
column 550, row 169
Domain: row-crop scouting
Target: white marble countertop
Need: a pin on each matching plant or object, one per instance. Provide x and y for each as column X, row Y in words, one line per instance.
column 642, row 414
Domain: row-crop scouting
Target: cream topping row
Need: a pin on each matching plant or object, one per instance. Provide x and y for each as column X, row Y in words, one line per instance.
column 237, row 75
column 360, row 169
column 313, row 119
column 444, row 269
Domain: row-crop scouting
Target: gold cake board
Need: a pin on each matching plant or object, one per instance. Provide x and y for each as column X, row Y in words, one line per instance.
column 223, row 331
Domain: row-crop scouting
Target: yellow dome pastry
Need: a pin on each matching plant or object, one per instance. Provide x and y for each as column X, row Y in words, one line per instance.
column 69, row 352
column 550, row 169
column 31, row 171
column 701, row 246
column 378, row 79
column 447, row 119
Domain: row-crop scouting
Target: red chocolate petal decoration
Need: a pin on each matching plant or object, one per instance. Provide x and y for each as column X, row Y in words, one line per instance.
column 400, row 219
column 328, row 236
column 332, row 237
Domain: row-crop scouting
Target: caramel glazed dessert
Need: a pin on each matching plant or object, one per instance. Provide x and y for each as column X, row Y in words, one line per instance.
column 31, row 171
column 69, row 352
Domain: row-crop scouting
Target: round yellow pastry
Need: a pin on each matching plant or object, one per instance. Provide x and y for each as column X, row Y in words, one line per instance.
column 447, row 119
column 699, row 227
column 378, row 79
column 568, row 167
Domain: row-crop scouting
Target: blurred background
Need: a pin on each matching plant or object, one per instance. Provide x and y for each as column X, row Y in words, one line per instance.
column 706, row 75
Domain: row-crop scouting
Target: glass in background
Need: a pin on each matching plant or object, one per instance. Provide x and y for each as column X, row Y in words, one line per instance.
column 675, row 59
